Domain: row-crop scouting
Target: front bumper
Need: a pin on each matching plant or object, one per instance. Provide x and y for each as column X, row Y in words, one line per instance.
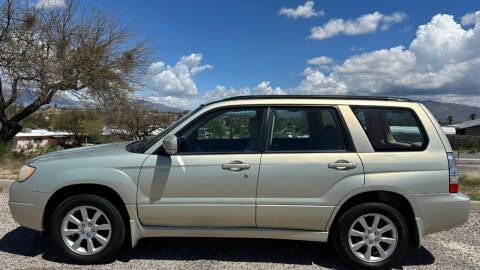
column 27, row 206
column 439, row 212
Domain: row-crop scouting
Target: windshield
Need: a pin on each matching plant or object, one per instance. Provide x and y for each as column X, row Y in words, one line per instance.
column 142, row 146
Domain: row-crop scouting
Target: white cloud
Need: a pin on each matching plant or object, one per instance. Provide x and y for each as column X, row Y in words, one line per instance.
column 50, row 3
column 471, row 18
column 176, row 102
column 443, row 59
column 396, row 17
column 177, row 81
column 156, row 67
column 367, row 23
column 305, row 11
column 322, row 60
column 264, row 88
column 221, row 92
column 316, row 82
column 444, row 41
column 441, row 63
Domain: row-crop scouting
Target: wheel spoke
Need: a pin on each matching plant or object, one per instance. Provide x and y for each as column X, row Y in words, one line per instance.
column 376, row 220
column 102, row 227
column 69, row 232
column 96, row 217
column 100, row 239
column 77, row 243
column 368, row 253
column 358, row 245
column 90, row 245
column 363, row 222
column 355, row 233
column 381, row 251
column 73, row 220
column 83, row 210
column 385, row 229
column 388, row 240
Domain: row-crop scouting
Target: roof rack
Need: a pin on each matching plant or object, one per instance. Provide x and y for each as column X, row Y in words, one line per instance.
column 317, row 97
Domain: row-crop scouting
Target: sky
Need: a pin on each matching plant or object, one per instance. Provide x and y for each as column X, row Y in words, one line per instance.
column 207, row 50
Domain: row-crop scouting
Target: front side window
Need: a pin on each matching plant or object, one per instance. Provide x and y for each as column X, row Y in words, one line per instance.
column 226, row 131
column 306, row 129
column 392, row 129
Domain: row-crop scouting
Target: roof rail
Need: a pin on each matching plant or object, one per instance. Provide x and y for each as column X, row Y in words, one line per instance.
column 317, row 97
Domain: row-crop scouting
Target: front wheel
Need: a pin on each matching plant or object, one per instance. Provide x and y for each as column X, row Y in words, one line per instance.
column 87, row 229
column 371, row 236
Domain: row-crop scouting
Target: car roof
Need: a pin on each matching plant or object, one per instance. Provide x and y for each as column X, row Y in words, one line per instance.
column 313, row 97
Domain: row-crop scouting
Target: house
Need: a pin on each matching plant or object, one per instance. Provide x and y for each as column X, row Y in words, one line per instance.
column 468, row 128
column 448, row 130
column 40, row 137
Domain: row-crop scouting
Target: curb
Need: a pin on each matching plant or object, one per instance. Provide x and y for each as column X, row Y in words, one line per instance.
column 5, row 184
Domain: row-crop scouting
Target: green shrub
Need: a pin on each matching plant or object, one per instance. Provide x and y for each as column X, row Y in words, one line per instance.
column 470, row 185
column 4, row 150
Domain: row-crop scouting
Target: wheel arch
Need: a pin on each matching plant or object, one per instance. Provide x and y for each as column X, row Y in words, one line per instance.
column 94, row 189
column 390, row 198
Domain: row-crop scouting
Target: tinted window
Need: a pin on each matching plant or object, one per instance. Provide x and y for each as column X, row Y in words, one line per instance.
column 306, row 129
column 393, row 129
column 226, row 131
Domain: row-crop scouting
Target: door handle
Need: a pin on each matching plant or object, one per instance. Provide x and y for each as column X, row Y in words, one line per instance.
column 236, row 166
column 342, row 165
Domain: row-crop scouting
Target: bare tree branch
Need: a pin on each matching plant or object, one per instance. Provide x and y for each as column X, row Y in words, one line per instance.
column 45, row 52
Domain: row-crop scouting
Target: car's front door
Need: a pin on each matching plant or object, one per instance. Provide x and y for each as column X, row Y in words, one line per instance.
column 212, row 180
column 307, row 167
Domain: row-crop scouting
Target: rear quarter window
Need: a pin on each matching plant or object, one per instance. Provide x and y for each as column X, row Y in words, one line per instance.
column 392, row 129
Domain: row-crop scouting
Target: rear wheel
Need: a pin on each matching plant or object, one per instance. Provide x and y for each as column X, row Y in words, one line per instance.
column 87, row 229
column 371, row 236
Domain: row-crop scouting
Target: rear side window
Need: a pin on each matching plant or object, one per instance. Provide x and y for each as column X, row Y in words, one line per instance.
column 306, row 129
column 392, row 129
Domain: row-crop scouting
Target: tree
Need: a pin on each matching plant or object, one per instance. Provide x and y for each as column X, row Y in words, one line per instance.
column 134, row 120
column 79, row 122
column 473, row 116
column 55, row 52
column 450, row 119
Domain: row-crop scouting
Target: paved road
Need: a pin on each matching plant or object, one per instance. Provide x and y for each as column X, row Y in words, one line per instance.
column 21, row 248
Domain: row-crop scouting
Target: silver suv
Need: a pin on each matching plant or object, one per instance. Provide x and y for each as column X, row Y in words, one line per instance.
column 370, row 175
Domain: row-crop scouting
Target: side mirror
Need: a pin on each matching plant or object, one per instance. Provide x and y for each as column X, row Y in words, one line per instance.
column 170, row 144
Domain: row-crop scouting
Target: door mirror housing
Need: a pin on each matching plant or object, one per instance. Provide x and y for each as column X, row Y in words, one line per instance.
column 170, row 144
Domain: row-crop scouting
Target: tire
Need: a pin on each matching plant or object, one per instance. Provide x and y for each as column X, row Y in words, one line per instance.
column 353, row 247
column 99, row 238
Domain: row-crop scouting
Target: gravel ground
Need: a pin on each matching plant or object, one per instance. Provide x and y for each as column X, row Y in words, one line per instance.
column 21, row 248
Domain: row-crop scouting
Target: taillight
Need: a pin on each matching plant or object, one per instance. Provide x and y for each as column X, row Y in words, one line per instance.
column 452, row 169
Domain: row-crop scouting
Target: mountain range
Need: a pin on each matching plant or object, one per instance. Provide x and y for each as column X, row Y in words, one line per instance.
column 459, row 112
column 440, row 110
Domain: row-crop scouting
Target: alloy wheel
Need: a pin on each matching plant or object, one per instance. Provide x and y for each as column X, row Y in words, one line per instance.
column 373, row 237
column 86, row 230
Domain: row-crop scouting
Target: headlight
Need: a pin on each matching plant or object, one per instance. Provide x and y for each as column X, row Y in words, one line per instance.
column 25, row 172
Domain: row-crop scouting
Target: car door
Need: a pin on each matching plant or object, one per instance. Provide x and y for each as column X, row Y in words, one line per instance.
column 212, row 180
column 308, row 165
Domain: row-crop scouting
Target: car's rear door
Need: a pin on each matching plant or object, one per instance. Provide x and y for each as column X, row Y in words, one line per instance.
column 308, row 165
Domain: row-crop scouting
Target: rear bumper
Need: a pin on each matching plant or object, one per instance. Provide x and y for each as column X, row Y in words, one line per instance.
column 27, row 206
column 439, row 212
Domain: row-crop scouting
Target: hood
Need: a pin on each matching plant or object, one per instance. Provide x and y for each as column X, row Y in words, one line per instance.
column 86, row 151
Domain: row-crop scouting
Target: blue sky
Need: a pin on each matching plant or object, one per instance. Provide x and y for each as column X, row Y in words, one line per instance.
column 233, row 47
